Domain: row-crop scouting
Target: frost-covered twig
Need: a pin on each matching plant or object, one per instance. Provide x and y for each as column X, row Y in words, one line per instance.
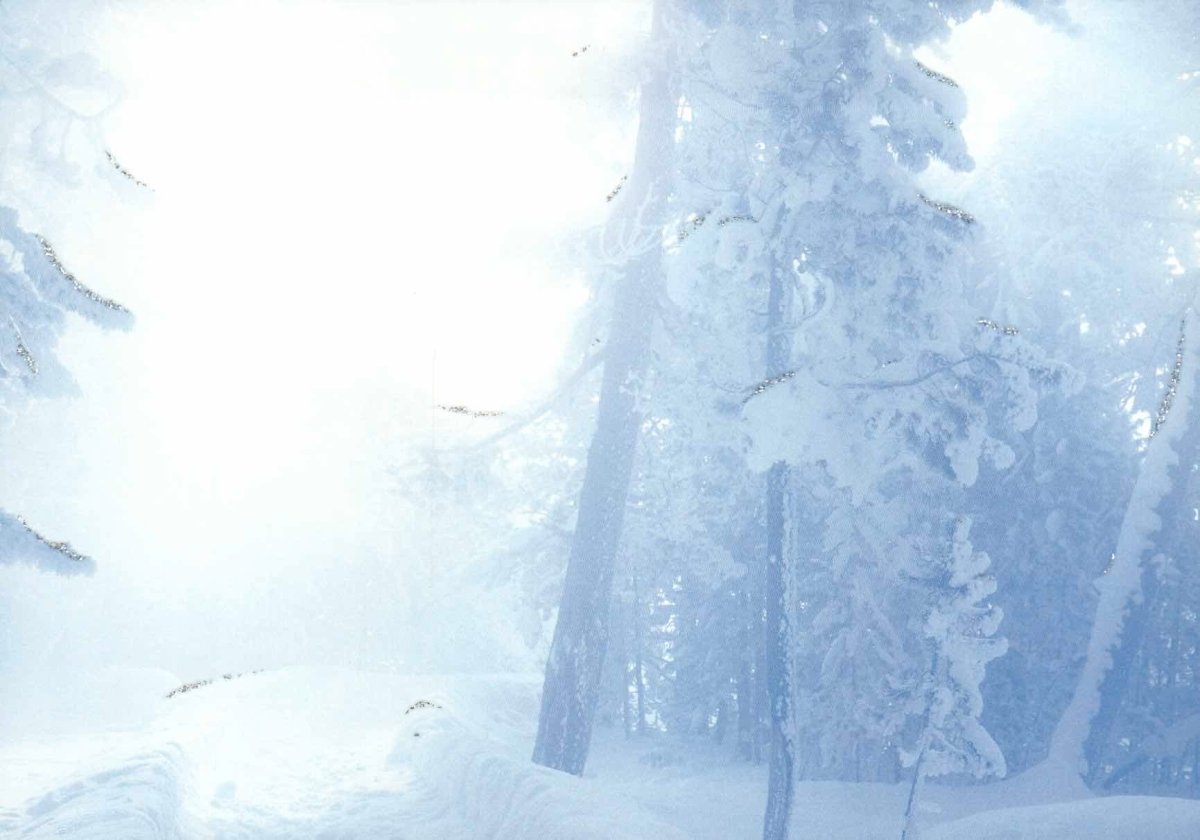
column 117, row 166
column 725, row 220
column 1164, row 407
column 20, row 542
column 935, row 75
column 617, row 189
column 48, row 251
column 767, row 384
column 1008, row 329
column 590, row 363
column 192, row 686
column 625, row 238
column 696, row 222
column 948, row 209
column 23, row 351
column 699, row 219
column 61, row 546
column 469, row 412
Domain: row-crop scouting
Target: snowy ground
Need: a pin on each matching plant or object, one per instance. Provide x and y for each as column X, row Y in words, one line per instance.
column 303, row 753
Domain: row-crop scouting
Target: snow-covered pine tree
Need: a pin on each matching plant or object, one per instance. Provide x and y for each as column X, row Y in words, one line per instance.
column 51, row 118
column 1089, row 230
column 890, row 374
column 1049, row 524
column 680, row 564
column 960, row 639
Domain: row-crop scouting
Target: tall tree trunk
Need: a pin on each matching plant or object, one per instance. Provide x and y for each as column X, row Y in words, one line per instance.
column 747, row 725
column 911, row 828
column 573, row 670
column 781, row 778
column 1121, row 584
column 751, row 704
column 639, row 664
column 1113, row 689
column 627, row 673
column 1175, row 511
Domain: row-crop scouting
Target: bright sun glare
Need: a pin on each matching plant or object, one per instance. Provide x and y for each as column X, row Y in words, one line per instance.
column 353, row 215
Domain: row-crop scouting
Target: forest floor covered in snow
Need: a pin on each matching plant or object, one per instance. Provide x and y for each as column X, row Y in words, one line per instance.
column 308, row 752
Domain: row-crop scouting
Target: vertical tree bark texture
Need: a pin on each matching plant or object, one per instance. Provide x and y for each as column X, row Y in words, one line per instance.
column 638, row 663
column 747, row 733
column 778, row 638
column 1120, row 586
column 1175, row 512
column 573, row 670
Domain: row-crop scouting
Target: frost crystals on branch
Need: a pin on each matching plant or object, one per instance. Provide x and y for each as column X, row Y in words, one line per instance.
column 469, row 412
column 935, row 75
column 61, row 546
column 24, row 353
column 617, row 188
column 949, row 209
column 766, row 384
column 192, row 686
column 724, row 220
column 48, row 250
column 700, row 218
column 117, row 166
column 696, row 221
column 1007, row 329
column 1164, row 407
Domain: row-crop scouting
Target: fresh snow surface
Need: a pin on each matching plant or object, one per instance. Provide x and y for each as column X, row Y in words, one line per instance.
column 327, row 753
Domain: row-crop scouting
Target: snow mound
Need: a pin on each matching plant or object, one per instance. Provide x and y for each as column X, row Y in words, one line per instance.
column 469, row 785
column 333, row 753
column 1109, row 818
column 140, row 796
column 307, row 752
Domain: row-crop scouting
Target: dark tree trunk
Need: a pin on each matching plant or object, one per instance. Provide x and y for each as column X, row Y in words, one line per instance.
column 639, row 673
column 1120, row 587
column 574, row 667
column 747, row 723
column 778, row 638
column 1174, row 510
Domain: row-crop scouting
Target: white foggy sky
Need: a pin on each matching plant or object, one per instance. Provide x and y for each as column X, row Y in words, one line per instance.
column 341, row 190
